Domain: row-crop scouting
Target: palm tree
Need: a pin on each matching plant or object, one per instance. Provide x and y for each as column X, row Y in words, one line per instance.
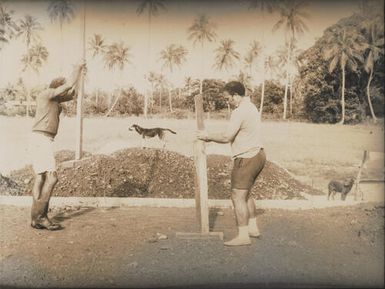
column 152, row 78
column 28, row 31
column 116, row 56
column 188, row 83
column 61, row 11
column 270, row 6
column 153, row 8
column 269, row 67
column 244, row 78
column 263, row 5
column 160, row 81
column 8, row 27
column 342, row 50
column 35, row 58
column 375, row 48
column 200, row 31
column 97, row 46
column 172, row 56
column 225, row 55
column 290, row 67
column 251, row 56
column 292, row 16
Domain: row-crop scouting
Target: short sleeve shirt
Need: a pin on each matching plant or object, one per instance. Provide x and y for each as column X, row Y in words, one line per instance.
column 245, row 119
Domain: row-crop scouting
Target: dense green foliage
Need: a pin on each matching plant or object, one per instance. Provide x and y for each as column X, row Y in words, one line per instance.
column 321, row 89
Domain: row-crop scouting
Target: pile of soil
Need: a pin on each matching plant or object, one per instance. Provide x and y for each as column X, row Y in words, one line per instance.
column 9, row 186
column 155, row 173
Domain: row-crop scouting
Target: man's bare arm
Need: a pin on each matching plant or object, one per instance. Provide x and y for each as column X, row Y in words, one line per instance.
column 222, row 137
column 67, row 96
column 53, row 93
column 67, row 91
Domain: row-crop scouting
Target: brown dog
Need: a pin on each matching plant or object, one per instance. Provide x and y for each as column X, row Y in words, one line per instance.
column 151, row 132
column 340, row 187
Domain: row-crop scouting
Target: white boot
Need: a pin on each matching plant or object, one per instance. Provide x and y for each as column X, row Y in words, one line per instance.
column 253, row 228
column 242, row 238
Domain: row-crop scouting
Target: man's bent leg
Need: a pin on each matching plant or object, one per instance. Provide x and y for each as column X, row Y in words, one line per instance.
column 253, row 227
column 49, row 184
column 242, row 216
column 37, row 210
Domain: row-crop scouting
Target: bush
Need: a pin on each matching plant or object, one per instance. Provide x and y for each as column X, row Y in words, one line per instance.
column 273, row 98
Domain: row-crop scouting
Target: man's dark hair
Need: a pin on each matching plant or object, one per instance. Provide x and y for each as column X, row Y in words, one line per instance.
column 55, row 83
column 235, row 87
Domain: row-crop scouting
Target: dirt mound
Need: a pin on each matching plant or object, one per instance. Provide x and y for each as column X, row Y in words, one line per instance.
column 154, row 173
column 9, row 186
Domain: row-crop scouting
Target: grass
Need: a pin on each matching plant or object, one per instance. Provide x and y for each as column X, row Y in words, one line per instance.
column 315, row 153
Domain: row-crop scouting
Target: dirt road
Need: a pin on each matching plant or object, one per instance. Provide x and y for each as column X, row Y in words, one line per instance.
column 119, row 247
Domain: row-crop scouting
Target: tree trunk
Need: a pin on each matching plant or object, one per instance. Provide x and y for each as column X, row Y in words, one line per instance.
column 28, row 88
column 169, row 99
column 287, row 83
column 262, row 98
column 343, row 97
column 145, row 104
column 368, row 94
column 115, row 102
column 160, row 99
column 291, row 97
column 152, row 97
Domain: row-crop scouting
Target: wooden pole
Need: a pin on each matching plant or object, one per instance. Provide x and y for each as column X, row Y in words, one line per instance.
column 201, row 187
column 79, row 105
column 358, row 178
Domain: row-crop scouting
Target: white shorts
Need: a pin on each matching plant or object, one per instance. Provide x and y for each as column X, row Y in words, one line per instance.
column 41, row 152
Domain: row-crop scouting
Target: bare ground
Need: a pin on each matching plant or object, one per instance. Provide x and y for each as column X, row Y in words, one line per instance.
column 119, row 247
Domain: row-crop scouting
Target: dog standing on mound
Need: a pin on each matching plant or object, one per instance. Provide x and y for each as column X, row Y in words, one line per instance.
column 151, row 132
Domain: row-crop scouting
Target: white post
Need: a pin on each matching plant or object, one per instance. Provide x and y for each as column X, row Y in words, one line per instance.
column 79, row 106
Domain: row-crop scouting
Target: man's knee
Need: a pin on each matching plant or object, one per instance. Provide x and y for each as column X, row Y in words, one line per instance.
column 52, row 178
column 239, row 195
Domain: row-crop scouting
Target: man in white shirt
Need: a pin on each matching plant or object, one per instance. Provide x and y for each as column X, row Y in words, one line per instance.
column 243, row 133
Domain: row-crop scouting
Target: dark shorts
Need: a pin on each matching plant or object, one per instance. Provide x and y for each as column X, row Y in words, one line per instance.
column 246, row 170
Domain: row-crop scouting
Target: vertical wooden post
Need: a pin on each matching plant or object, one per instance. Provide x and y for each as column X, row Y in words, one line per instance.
column 201, row 187
column 79, row 105
column 358, row 178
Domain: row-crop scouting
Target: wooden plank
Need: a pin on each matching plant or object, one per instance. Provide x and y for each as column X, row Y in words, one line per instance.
column 79, row 104
column 199, row 236
column 201, row 188
column 358, row 178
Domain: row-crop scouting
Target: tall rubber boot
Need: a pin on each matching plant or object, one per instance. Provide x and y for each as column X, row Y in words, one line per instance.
column 39, row 216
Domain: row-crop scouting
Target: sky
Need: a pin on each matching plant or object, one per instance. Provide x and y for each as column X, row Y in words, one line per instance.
column 118, row 21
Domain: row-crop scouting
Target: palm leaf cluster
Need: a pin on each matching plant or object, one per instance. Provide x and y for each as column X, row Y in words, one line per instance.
column 28, row 29
column 173, row 55
column 117, row 55
column 36, row 56
column 61, row 10
column 203, row 29
column 292, row 17
column 8, row 27
column 343, row 50
column 153, row 6
column 226, row 55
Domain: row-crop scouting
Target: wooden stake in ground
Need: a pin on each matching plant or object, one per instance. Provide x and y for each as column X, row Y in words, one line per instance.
column 79, row 104
column 201, row 185
column 358, row 178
